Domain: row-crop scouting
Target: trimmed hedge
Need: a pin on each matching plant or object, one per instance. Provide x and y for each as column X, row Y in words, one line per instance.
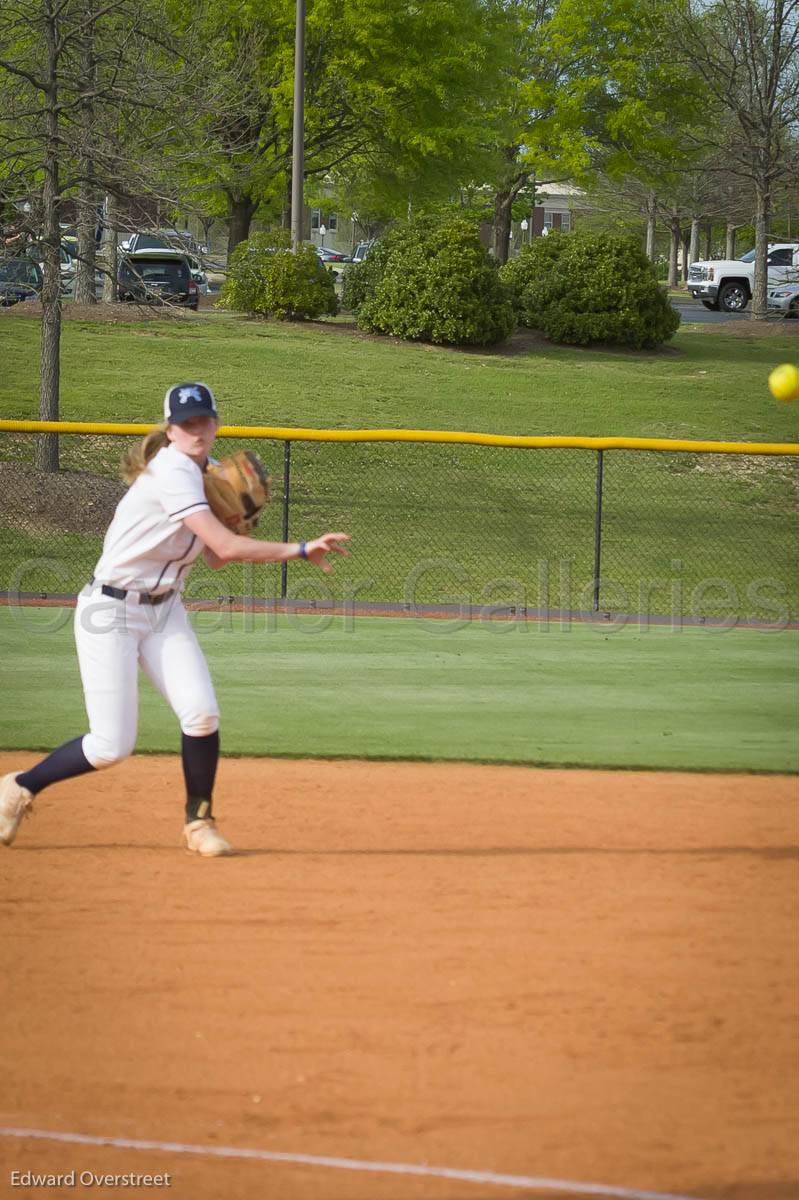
column 267, row 278
column 583, row 288
column 433, row 281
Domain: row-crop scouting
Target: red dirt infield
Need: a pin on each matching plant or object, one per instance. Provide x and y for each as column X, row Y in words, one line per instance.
column 584, row 976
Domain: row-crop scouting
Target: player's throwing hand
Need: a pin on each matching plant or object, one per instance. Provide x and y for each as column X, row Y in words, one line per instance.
column 329, row 543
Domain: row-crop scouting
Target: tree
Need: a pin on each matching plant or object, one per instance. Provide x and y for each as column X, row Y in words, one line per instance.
column 385, row 183
column 75, row 77
column 591, row 88
column 747, row 53
column 405, row 82
column 532, row 141
column 625, row 205
column 85, row 123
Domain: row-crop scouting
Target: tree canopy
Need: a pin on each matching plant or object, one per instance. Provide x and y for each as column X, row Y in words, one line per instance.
column 589, row 85
column 406, row 83
column 746, row 53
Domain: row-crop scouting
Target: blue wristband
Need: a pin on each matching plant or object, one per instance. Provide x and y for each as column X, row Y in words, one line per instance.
column 303, row 549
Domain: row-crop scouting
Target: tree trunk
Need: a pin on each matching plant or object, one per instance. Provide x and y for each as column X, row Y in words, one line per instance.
column 47, row 444
column 110, row 250
column 207, row 224
column 503, row 208
column 651, row 220
column 729, row 251
column 241, row 210
column 87, row 246
column 87, row 212
column 759, row 297
column 514, row 180
column 285, row 212
column 693, row 253
column 708, row 239
column 685, row 248
column 675, row 234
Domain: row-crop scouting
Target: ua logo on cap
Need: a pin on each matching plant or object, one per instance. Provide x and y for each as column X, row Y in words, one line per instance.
column 189, row 393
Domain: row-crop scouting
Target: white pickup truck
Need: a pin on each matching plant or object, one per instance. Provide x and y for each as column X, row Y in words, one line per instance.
column 727, row 283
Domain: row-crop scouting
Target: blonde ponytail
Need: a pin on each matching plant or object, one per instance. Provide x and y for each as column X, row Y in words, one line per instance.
column 137, row 458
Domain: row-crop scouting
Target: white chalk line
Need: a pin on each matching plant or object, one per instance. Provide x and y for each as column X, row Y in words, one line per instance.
column 350, row 1164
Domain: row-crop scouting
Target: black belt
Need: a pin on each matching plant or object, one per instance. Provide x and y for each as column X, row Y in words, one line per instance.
column 144, row 597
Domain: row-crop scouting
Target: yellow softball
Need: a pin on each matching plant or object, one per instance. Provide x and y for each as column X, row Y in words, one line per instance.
column 783, row 382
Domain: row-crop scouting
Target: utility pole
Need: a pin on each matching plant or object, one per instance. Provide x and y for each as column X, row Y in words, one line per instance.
column 298, row 140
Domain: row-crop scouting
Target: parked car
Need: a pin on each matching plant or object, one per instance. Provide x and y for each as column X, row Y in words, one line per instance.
column 20, row 279
column 361, row 250
column 66, row 263
column 162, row 239
column 170, row 239
column 198, row 274
column 333, row 261
column 157, row 277
column 332, row 256
column 215, row 273
column 728, row 283
column 185, row 239
column 785, row 299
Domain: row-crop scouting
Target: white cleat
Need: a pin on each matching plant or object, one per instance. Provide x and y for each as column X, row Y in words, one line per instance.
column 15, row 803
column 203, row 837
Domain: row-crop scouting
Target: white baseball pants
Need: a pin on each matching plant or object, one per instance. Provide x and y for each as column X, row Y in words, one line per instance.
column 116, row 637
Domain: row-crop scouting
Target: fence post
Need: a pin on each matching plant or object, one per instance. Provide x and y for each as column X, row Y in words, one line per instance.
column 284, row 566
column 598, row 530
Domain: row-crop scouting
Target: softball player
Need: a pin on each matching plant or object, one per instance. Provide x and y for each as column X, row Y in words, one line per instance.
column 131, row 615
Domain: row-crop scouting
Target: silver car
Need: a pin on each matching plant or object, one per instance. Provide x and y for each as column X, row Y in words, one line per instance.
column 785, row 299
column 198, row 274
column 66, row 263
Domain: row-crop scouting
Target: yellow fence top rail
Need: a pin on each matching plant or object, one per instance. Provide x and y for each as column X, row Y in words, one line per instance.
column 435, row 436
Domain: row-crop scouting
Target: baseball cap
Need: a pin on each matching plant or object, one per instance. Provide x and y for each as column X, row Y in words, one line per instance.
column 186, row 400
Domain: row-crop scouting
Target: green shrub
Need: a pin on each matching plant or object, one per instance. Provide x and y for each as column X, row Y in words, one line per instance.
column 583, row 288
column 361, row 278
column 269, row 279
column 433, row 281
column 531, row 278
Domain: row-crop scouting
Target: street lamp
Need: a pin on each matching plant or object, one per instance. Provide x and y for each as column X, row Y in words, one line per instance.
column 524, row 227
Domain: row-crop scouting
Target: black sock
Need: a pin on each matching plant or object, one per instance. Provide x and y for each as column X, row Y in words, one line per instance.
column 64, row 763
column 200, row 756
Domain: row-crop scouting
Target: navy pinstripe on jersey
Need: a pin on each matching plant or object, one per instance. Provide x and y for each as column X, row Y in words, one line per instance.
column 147, row 547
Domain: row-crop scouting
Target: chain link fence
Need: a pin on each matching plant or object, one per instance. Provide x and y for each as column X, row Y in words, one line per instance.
column 676, row 535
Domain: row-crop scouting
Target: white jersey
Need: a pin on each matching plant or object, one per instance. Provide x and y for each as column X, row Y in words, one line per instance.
column 146, row 547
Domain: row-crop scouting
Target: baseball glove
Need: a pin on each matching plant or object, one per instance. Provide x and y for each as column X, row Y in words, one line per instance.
column 237, row 489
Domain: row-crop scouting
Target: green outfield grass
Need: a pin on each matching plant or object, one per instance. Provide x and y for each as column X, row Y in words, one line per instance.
column 703, row 384
column 581, row 695
column 430, row 523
